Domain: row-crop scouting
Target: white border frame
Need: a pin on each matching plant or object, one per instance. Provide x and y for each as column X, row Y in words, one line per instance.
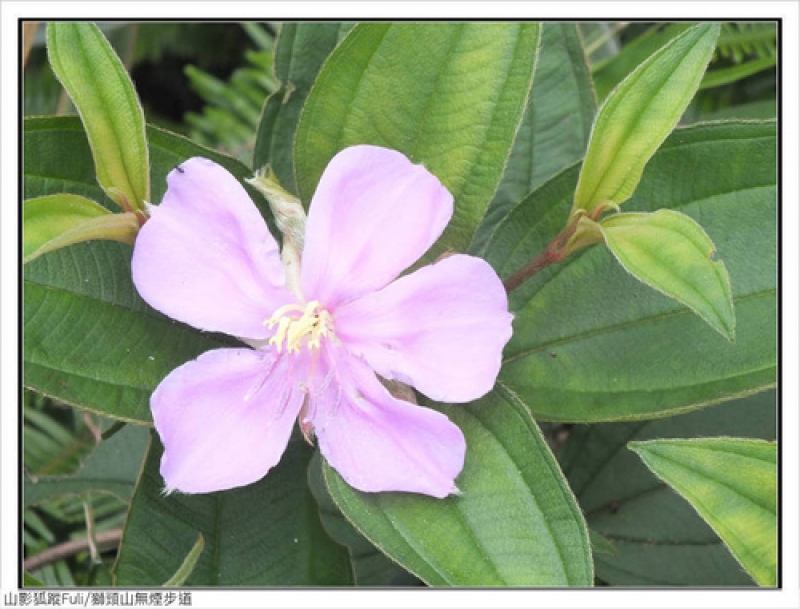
column 789, row 596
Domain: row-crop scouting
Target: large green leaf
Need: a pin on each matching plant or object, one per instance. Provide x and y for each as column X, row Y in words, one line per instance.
column 104, row 96
column 733, row 485
column 371, row 567
column 658, row 538
column 300, row 50
column 57, row 158
column 264, row 534
column 556, row 125
column 670, row 252
column 591, row 343
column 89, row 339
column 448, row 95
column 515, row 522
column 112, row 468
column 639, row 114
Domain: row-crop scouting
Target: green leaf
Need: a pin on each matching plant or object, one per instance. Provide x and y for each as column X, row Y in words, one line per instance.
column 89, row 339
column 760, row 110
column 556, row 125
column 609, row 72
column 188, row 564
column 515, row 522
column 600, row 545
column 56, row 221
column 591, row 343
column 725, row 76
column 371, row 566
column 112, row 468
column 659, row 539
column 104, row 96
column 670, row 252
column 448, row 95
column 732, row 483
column 57, row 159
column 639, row 114
column 264, row 534
column 55, row 442
column 300, row 50
column 29, row 580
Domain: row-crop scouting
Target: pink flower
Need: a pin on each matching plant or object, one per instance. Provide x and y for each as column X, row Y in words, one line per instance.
column 206, row 258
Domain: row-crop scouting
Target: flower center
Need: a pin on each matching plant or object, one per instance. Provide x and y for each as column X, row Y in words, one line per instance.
column 300, row 325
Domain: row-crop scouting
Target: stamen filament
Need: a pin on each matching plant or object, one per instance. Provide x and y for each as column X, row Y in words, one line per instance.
column 299, row 325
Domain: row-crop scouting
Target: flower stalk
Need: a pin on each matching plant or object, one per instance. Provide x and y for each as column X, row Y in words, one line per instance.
column 290, row 218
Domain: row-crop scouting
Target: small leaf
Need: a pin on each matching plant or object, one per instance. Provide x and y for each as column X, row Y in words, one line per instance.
column 56, row 221
column 670, row 252
column 639, row 114
column 104, row 96
column 515, row 522
column 188, row 564
column 732, row 483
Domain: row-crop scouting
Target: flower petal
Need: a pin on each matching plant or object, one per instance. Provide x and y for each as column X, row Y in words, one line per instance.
column 205, row 257
column 373, row 215
column 379, row 443
column 224, row 419
column 441, row 329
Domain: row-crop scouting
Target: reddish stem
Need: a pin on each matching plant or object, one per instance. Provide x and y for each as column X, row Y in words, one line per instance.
column 554, row 252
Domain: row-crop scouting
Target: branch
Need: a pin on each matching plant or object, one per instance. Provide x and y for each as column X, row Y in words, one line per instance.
column 104, row 541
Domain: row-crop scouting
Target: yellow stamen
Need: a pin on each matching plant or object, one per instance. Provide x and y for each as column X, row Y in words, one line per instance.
column 299, row 325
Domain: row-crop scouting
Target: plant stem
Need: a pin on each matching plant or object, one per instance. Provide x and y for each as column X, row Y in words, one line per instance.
column 556, row 251
column 529, row 270
column 105, row 541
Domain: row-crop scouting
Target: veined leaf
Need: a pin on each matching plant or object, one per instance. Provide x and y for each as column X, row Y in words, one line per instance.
column 448, row 95
column 591, row 343
column 265, row 534
column 371, row 566
column 104, row 96
column 732, row 483
column 555, row 128
column 658, row 538
column 515, row 522
column 639, row 114
column 300, row 50
column 670, row 252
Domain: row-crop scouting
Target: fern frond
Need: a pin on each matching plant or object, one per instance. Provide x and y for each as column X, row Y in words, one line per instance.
column 233, row 108
column 55, row 439
column 747, row 41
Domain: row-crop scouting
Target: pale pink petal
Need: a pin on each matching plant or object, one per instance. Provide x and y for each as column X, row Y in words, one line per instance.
column 379, row 443
column 373, row 215
column 205, row 257
column 441, row 329
column 224, row 419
